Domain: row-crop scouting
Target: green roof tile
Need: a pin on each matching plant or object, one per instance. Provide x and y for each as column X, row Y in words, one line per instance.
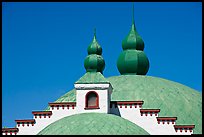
column 92, row 77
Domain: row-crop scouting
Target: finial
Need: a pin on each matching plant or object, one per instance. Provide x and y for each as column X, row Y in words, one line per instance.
column 94, row 33
column 133, row 21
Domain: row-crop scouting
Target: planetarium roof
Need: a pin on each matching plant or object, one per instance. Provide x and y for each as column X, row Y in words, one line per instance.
column 93, row 124
column 172, row 98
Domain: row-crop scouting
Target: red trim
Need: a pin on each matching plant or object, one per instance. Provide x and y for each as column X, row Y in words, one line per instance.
column 168, row 119
column 184, row 126
column 61, row 104
column 9, row 130
column 125, row 103
column 128, row 102
column 86, row 101
column 28, row 121
column 42, row 112
column 150, row 110
column 146, row 111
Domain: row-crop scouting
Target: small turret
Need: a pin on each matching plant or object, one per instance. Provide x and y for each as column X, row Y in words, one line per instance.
column 94, row 62
column 133, row 60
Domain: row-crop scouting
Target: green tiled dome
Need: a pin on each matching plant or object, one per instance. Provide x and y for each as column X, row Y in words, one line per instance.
column 93, row 124
column 172, row 98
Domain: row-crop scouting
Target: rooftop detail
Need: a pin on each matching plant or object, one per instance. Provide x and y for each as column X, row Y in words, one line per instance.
column 62, row 104
column 92, row 78
column 166, row 119
column 10, row 130
column 126, row 103
column 149, row 111
column 94, row 62
column 25, row 121
column 132, row 59
column 184, row 127
column 40, row 113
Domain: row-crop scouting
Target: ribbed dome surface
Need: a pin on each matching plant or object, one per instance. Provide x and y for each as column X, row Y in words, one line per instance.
column 172, row 98
column 93, row 124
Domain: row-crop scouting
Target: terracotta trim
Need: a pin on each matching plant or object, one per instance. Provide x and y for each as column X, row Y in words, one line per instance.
column 26, row 120
column 127, row 102
column 184, row 126
column 10, row 130
column 166, row 118
column 149, row 110
column 61, row 104
column 42, row 112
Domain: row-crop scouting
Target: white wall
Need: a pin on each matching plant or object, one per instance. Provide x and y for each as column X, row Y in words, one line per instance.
column 103, row 91
column 148, row 123
column 42, row 122
column 103, row 101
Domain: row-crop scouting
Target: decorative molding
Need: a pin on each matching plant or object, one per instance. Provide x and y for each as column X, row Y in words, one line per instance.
column 184, row 128
column 131, row 104
column 40, row 113
column 149, row 111
column 62, row 104
column 10, row 130
column 26, row 121
column 166, row 119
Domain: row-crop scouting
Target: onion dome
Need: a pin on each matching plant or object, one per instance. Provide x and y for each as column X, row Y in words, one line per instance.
column 94, row 62
column 133, row 60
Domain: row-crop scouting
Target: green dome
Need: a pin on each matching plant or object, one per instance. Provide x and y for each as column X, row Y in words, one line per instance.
column 172, row 98
column 133, row 62
column 93, row 124
column 94, row 62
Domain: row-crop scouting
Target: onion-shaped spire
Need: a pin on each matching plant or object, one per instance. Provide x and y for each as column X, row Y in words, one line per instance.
column 94, row 62
column 133, row 39
column 133, row 60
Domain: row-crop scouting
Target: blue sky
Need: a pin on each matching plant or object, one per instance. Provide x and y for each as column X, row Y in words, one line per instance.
column 44, row 46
